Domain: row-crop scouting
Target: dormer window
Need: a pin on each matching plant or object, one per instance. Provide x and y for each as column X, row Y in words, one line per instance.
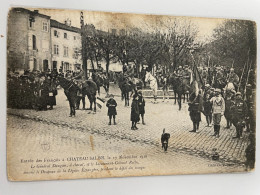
column 31, row 22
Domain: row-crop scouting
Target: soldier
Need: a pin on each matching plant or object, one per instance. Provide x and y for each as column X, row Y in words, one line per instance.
column 100, row 69
column 179, row 72
column 165, row 87
column 141, row 105
column 195, row 108
column 124, row 68
column 240, row 112
column 204, row 75
column 79, row 78
column 134, row 112
column 218, row 107
column 233, row 78
column 207, row 108
column 186, row 74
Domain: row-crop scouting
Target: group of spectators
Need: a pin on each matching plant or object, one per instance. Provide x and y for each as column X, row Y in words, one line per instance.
column 32, row 90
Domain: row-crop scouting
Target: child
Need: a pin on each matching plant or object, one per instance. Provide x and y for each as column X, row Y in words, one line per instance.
column 111, row 104
column 134, row 112
column 208, row 109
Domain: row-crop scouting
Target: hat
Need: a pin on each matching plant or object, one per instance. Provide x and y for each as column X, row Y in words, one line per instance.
column 180, row 66
column 186, row 66
column 238, row 93
column 212, row 88
column 207, row 85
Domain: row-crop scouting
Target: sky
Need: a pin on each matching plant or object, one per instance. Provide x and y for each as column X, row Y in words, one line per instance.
column 108, row 20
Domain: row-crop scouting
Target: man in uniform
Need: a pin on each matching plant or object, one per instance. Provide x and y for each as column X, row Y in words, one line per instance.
column 186, row 74
column 195, row 108
column 218, row 107
column 179, row 71
column 100, row 69
column 233, row 78
column 204, row 75
column 240, row 113
column 79, row 77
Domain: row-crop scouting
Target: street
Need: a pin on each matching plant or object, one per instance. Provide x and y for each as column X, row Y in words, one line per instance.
column 53, row 131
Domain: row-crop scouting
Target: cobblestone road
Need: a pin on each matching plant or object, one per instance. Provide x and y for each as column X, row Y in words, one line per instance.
column 158, row 116
column 29, row 138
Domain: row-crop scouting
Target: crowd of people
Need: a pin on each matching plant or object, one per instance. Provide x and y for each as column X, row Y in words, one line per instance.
column 32, row 90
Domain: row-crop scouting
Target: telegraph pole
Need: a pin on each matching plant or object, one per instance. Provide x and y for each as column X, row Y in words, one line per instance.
column 83, row 43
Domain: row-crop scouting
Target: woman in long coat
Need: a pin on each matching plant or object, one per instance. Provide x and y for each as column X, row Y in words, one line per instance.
column 134, row 112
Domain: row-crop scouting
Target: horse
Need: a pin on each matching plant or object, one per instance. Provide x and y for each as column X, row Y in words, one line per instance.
column 70, row 90
column 125, row 86
column 179, row 88
column 101, row 82
column 89, row 88
column 153, row 84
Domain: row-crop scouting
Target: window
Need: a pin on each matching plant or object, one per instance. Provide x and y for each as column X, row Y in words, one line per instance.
column 65, row 36
column 66, row 51
column 34, row 42
column 56, row 33
column 75, row 38
column 31, row 22
column 45, row 26
column 56, row 49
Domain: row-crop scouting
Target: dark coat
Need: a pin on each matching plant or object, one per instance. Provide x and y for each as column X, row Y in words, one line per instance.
column 195, row 107
column 111, row 104
column 52, row 92
column 207, row 105
column 141, row 105
column 135, row 111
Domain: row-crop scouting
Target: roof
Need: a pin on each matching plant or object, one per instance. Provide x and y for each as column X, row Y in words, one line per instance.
column 59, row 25
column 34, row 13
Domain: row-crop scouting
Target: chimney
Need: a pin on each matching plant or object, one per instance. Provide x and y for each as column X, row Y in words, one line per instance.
column 36, row 11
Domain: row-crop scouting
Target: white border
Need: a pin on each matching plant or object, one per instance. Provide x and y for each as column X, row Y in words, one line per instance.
column 221, row 184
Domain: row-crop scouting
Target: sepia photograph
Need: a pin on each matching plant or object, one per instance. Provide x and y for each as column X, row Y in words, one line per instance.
column 95, row 94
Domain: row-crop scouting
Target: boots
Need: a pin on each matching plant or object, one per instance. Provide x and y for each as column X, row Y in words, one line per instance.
column 218, row 129
column 215, row 130
column 114, row 121
column 194, row 127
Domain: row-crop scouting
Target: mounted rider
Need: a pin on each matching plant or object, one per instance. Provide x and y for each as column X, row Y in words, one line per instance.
column 78, row 79
column 219, row 80
column 233, row 78
column 186, row 75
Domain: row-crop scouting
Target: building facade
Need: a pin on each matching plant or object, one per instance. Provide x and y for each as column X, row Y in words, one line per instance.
column 66, row 46
column 28, row 41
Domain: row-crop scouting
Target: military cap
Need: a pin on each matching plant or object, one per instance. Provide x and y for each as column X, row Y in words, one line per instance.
column 186, row 66
column 180, row 66
column 207, row 85
column 238, row 93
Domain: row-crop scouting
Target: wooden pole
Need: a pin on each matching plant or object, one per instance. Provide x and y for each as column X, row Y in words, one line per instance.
column 83, row 43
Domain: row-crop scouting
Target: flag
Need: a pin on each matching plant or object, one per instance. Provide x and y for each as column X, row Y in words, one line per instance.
column 100, row 102
column 196, row 76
